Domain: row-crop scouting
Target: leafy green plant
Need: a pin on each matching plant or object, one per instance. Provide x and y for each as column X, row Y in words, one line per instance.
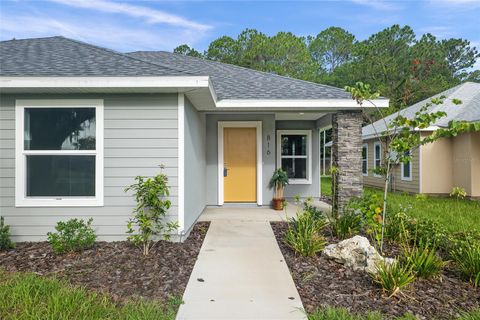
column 304, row 234
column 152, row 206
column 5, row 240
column 424, row 261
column 467, row 259
column 278, row 182
column 393, row 277
column 348, row 224
column 72, row 235
column 421, row 197
column 369, row 207
column 458, row 193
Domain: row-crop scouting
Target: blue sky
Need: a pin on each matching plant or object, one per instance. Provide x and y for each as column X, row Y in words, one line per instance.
column 162, row 25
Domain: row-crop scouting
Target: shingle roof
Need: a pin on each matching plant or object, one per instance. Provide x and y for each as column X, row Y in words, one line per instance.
column 468, row 110
column 59, row 56
column 234, row 82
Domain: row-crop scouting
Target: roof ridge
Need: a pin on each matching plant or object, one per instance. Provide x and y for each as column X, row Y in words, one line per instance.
column 240, row 67
column 85, row 44
column 26, row 39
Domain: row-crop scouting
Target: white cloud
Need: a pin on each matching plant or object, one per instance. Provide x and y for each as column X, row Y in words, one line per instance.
column 107, row 33
column 152, row 16
column 459, row 4
column 378, row 4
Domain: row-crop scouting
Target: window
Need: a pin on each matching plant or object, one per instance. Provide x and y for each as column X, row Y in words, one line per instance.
column 294, row 151
column 59, row 153
column 377, row 157
column 365, row 159
column 406, row 171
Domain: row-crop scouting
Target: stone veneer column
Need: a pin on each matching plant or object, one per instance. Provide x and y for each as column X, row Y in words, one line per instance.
column 347, row 155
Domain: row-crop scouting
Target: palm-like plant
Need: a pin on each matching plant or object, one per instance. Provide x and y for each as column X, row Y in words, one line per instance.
column 278, row 181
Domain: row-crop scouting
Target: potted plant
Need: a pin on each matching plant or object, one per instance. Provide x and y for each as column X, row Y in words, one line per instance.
column 278, row 182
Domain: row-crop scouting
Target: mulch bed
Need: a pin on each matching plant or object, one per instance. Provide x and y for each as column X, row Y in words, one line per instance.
column 116, row 268
column 322, row 282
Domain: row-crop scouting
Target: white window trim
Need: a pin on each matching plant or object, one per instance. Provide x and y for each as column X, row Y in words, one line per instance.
column 365, row 145
column 21, row 200
column 375, row 144
column 308, row 133
column 402, row 168
column 240, row 124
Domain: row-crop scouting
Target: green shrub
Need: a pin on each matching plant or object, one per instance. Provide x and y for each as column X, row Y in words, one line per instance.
column 369, row 207
column 393, row 277
column 152, row 206
column 5, row 241
column 29, row 296
column 425, row 262
column 467, row 259
column 347, row 225
column 304, row 234
column 73, row 235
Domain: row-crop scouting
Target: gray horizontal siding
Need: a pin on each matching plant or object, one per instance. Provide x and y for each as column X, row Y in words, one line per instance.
column 140, row 134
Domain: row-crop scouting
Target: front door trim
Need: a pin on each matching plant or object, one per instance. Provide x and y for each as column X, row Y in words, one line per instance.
column 240, row 124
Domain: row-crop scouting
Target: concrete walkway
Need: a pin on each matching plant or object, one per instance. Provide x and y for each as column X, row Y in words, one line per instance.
column 240, row 272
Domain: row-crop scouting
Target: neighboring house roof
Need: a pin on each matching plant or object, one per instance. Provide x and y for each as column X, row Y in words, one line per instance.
column 59, row 56
column 234, row 82
column 468, row 110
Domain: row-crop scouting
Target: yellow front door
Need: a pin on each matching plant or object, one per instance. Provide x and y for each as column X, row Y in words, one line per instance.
column 240, row 164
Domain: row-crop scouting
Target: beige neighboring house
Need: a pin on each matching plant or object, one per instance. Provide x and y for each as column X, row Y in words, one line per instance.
column 436, row 167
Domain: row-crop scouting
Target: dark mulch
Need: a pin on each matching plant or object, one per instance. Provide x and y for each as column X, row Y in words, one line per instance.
column 323, row 282
column 116, row 268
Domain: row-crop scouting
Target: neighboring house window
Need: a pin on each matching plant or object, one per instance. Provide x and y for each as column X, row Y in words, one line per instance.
column 294, row 149
column 59, row 153
column 365, row 159
column 377, row 157
column 406, row 171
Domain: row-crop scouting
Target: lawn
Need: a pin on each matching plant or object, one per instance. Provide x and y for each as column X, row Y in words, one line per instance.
column 454, row 215
column 29, row 296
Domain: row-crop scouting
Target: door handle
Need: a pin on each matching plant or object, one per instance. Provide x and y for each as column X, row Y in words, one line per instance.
column 225, row 172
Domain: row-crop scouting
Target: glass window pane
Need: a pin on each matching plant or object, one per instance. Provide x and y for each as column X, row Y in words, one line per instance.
column 59, row 129
column 294, row 145
column 58, row 176
column 364, row 153
column 377, row 151
column 406, row 170
column 295, row 168
column 364, row 167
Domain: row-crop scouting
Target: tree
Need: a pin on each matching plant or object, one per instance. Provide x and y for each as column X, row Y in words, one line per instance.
column 187, row 51
column 460, row 56
column 332, row 48
column 401, row 136
column 223, row 49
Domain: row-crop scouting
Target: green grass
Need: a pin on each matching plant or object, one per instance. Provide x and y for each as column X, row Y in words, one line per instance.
column 454, row 215
column 330, row 313
column 29, row 296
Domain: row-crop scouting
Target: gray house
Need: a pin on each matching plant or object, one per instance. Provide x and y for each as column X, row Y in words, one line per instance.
column 79, row 122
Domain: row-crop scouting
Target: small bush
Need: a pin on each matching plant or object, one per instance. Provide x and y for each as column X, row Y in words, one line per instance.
column 5, row 241
column 304, row 234
column 393, row 277
column 347, row 225
column 73, row 235
column 467, row 259
column 425, row 262
column 151, row 195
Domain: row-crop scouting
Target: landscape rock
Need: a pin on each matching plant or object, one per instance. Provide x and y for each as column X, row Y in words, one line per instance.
column 356, row 253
